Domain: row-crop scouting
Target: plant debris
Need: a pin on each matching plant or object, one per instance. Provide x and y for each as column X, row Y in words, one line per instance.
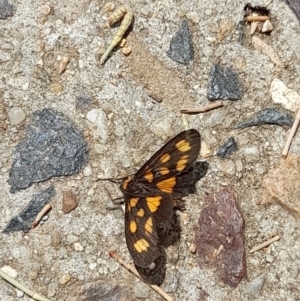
column 125, row 14
column 224, row 84
column 181, row 46
column 259, row 18
column 23, row 221
column 268, row 116
column 6, row 10
column 220, row 237
column 53, row 146
column 228, row 148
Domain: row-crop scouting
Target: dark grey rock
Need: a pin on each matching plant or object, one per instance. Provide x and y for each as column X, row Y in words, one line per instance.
column 83, row 102
column 181, row 47
column 23, row 221
column 53, row 146
column 224, row 84
column 268, row 116
column 228, row 148
column 6, row 10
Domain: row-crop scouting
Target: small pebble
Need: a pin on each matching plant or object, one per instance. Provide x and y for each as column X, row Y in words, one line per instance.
column 267, row 26
column 193, row 248
column 269, row 258
column 78, row 247
column 20, row 293
column 205, row 151
column 16, row 115
column 87, row 171
column 69, row 202
column 255, row 286
column 45, row 10
column 64, row 279
column 56, row 88
column 126, row 50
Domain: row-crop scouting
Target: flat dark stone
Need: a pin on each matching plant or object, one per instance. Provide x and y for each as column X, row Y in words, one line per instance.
column 221, row 225
column 224, row 84
column 268, row 116
column 23, row 221
column 6, row 10
column 228, row 148
column 181, row 47
column 53, row 146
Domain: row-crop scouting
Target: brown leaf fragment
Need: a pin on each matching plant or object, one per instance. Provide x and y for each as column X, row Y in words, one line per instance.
column 282, row 184
column 220, row 237
column 69, row 201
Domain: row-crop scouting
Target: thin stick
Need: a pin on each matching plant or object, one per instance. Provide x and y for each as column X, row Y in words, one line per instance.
column 18, row 285
column 264, row 244
column 253, row 18
column 291, row 135
column 202, row 109
column 40, row 215
column 133, row 270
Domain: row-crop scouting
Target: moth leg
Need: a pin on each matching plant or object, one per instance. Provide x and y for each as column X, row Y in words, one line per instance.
column 179, row 204
column 115, row 204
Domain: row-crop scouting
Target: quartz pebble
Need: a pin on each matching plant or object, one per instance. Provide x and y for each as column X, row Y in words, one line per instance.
column 64, row 279
column 16, row 115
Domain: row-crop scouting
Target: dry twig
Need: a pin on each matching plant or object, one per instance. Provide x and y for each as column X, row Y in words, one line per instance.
column 253, row 18
column 40, row 215
column 204, row 109
column 18, row 285
column 291, row 135
column 264, row 244
column 133, row 270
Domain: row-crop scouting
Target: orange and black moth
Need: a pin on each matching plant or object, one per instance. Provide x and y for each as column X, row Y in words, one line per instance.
column 152, row 193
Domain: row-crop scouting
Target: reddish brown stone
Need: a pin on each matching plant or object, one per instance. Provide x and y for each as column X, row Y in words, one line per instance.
column 69, row 201
column 220, row 237
column 282, row 184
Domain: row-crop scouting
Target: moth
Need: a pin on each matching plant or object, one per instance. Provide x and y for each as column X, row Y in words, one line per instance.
column 152, row 193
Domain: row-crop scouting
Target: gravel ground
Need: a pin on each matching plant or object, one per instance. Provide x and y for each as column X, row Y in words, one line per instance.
column 130, row 125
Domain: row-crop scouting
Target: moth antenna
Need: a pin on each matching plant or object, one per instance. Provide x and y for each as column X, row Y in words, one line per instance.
column 113, row 180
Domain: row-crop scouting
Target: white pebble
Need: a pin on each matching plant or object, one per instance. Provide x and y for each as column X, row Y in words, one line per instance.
column 16, row 115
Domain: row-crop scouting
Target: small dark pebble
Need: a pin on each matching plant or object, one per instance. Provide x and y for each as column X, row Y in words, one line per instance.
column 268, row 116
column 224, row 84
column 84, row 102
column 240, row 28
column 181, row 47
column 53, row 146
column 23, row 221
column 228, row 148
column 6, row 10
